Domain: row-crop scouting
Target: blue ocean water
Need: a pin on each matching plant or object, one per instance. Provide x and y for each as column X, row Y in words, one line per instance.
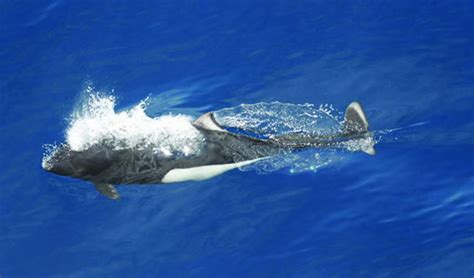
column 406, row 212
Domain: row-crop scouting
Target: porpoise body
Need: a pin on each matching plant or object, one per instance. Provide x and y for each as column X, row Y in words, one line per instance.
column 223, row 150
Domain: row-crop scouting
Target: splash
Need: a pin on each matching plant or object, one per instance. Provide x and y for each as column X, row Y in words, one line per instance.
column 268, row 120
column 276, row 118
column 96, row 121
column 49, row 152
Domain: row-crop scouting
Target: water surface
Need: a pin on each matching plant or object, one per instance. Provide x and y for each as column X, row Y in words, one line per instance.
column 406, row 212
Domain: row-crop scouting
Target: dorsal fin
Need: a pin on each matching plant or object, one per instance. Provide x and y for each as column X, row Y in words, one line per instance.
column 355, row 120
column 207, row 121
column 107, row 190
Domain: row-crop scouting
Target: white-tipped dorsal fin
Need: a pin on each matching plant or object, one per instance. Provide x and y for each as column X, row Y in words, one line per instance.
column 107, row 190
column 207, row 121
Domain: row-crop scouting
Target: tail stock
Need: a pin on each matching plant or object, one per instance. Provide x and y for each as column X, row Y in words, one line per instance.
column 355, row 125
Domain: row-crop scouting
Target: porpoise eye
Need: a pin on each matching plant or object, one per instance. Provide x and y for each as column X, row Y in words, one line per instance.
column 81, row 170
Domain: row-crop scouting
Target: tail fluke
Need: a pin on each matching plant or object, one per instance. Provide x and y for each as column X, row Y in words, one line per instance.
column 355, row 122
column 355, row 126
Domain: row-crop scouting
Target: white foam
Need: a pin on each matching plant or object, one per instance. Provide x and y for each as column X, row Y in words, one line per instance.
column 95, row 121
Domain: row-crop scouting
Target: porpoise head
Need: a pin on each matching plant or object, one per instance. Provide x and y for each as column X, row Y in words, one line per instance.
column 79, row 164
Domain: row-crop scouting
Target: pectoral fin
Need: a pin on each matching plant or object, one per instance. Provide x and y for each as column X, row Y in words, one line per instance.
column 108, row 190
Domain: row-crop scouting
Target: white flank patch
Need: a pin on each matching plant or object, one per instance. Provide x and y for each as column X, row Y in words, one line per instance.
column 203, row 172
